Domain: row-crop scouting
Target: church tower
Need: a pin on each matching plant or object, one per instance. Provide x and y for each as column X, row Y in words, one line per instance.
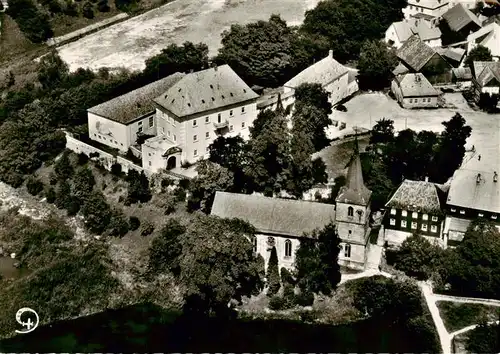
column 353, row 214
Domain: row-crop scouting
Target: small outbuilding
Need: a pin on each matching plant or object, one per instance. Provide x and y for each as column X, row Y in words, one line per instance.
column 413, row 90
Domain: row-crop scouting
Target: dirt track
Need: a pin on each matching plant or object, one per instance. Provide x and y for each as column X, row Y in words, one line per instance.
column 129, row 43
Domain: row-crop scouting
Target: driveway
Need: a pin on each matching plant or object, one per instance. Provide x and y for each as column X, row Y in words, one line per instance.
column 128, row 44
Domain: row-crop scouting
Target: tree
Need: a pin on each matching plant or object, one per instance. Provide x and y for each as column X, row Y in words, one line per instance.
column 231, row 153
column 269, row 164
column 83, row 183
column 34, row 186
column 217, row 264
column 118, row 225
column 138, row 187
column 63, row 195
column 312, row 109
column 382, row 132
column 368, row 20
column 273, row 274
column 263, row 52
column 417, row 257
column 451, row 149
column 376, row 63
column 316, row 262
column 176, row 58
column 103, row 6
column 88, row 10
column 211, row 178
column 478, row 53
column 52, row 70
column 63, row 168
column 488, row 102
column 50, row 195
column 483, row 339
column 32, row 22
column 97, row 213
column 166, row 249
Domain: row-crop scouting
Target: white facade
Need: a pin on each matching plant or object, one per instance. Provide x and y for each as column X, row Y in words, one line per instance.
column 286, row 247
column 489, row 37
column 432, row 8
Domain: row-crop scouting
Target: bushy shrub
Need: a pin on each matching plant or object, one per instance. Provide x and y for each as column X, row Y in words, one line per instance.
column 116, row 169
column 273, row 275
column 73, row 206
column 50, row 195
column 82, row 159
column 52, row 179
column 166, row 182
column 184, row 183
column 286, row 276
column 304, row 298
column 277, row 303
column 34, row 186
column 134, row 223
column 118, row 226
column 147, row 229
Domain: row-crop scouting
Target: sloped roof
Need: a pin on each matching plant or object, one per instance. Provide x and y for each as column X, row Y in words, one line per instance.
column 430, row 4
column 323, row 72
column 467, row 193
column 462, row 73
column 273, row 215
column 458, row 17
column 126, row 108
column 400, row 69
column 415, row 53
column 483, row 36
column 415, row 85
column 355, row 191
column 402, row 30
column 205, row 90
column 419, row 196
column 407, row 28
column 485, row 71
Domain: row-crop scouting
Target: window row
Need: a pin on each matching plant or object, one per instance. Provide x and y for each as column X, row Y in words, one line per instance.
column 414, row 215
column 219, row 117
column 104, row 138
column 288, row 246
column 195, row 152
column 414, row 225
column 415, row 100
column 462, row 212
column 168, row 133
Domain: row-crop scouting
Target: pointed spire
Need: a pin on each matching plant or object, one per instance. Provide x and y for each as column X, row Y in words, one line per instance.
column 279, row 105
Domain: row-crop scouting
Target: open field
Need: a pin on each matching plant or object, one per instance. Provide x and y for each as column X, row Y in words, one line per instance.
column 129, row 43
column 364, row 110
column 459, row 315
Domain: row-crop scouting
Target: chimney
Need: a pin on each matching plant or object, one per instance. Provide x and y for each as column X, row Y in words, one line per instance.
column 478, row 178
column 215, row 67
column 495, row 176
column 426, row 178
column 330, row 53
column 191, row 71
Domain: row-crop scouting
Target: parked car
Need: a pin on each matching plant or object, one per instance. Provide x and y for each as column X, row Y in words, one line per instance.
column 341, row 108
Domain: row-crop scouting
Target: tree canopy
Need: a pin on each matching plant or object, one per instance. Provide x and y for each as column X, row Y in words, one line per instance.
column 376, row 63
column 478, row 53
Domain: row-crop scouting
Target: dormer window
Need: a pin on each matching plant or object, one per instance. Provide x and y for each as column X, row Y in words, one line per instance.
column 393, row 211
column 213, row 99
column 173, row 100
column 189, row 104
column 179, row 90
column 350, row 211
column 244, row 90
column 223, row 97
column 202, row 101
column 231, row 94
column 212, row 87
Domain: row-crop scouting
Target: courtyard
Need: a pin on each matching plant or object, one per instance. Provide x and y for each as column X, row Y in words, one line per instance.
column 128, row 44
column 365, row 110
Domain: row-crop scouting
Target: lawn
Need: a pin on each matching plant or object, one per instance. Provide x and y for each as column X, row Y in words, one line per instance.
column 459, row 315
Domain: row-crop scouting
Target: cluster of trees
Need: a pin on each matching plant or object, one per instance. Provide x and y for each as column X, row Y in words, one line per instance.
column 412, row 155
column 485, row 338
column 275, row 159
column 471, row 269
column 398, row 303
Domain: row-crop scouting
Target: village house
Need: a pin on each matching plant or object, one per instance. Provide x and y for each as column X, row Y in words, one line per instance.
column 282, row 223
column 335, row 78
column 399, row 32
column 430, row 8
column 473, row 194
column 462, row 77
column 414, row 91
column 485, row 78
column 416, row 207
column 177, row 117
column 462, row 20
column 418, row 57
column 488, row 36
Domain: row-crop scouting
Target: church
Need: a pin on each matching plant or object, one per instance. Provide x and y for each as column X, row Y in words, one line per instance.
column 283, row 223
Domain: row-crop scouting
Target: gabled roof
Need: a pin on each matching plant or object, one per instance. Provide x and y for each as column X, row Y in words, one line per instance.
column 407, row 28
column 430, row 4
column 403, row 30
column 455, row 54
column 276, row 216
column 485, row 71
column 126, row 108
column 415, row 53
column 419, row 196
column 205, row 90
column 459, row 17
column 355, row 191
column 467, row 193
column 415, row 85
column 462, row 73
column 400, row 69
column 483, row 36
column 323, row 72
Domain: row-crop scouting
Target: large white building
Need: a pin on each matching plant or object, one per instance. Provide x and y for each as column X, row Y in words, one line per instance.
column 179, row 117
column 400, row 32
column 425, row 9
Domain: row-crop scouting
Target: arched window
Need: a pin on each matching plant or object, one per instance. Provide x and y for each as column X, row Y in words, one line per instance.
column 347, row 250
column 350, row 211
column 288, row 248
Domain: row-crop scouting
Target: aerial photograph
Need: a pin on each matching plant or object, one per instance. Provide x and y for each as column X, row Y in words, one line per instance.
column 250, row 176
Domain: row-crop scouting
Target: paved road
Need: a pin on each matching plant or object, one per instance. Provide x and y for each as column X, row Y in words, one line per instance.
column 128, row 44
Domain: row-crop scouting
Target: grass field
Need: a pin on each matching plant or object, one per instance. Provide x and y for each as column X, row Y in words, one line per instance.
column 459, row 315
column 129, row 43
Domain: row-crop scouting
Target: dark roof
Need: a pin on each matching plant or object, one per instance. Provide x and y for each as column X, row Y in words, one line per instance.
column 459, row 17
column 455, row 54
column 415, row 85
column 205, row 90
column 126, row 108
column 273, row 215
column 419, row 196
column 355, row 191
column 467, row 193
column 415, row 53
